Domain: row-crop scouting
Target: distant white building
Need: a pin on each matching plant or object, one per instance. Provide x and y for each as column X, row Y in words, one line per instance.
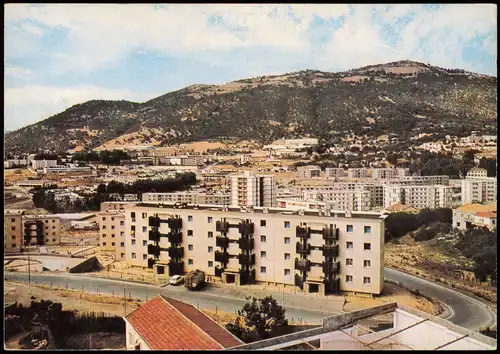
column 308, row 172
column 39, row 164
column 335, row 172
column 15, row 162
column 188, row 197
column 300, row 143
column 253, row 190
column 470, row 215
column 477, row 188
column 420, row 197
column 358, row 173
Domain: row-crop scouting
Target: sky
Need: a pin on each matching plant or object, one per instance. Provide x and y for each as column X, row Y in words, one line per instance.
column 58, row 55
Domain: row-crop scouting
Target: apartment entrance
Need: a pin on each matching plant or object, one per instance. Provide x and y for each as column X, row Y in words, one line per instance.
column 231, row 277
column 315, row 286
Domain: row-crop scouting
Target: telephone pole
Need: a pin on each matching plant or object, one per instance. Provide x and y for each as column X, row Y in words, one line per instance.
column 29, row 270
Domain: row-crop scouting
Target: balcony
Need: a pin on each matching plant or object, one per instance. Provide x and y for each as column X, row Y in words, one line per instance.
column 247, row 276
column 154, row 221
column 221, row 241
column 247, row 259
column 175, row 268
column 176, row 252
column 222, row 257
column 219, row 271
column 246, row 228
column 301, row 248
column 151, row 262
column 329, row 268
column 154, row 236
column 175, row 223
column 331, row 233
column 302, row 265
column 299, row 281
column 174, row 237
column 154, row 250
column 221, row 226
column 332, row 286
column 303, row 232
column 246, row 244
column 330, row 251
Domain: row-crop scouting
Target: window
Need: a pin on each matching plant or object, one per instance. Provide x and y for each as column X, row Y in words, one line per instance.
column 122, row 223
column 210, row 249
column 190, row 218
column 113, row 227
column 104, row 243
column 13, row 237
column 367, row 263
column 103, row 218
column 112, row 219
column 53, row 240
column 190, row 261
column 133, row 255
column 144, row 229
column 263, row 238
column 190, row 247
column 53, row 221
column 458, row 224
column 112, row 243
column 13, row 245
column 122, row 244
column 210, row 219
column 348, row 261
column 263, row 270
column 104, row 227
column 368, row 229
column 144, row 256
column 263, row 224
column 113, row 235
column 133, row 242
column 287, row 272
column 53, row 227
column 46, row 221
column 122, row 255
column 144, row 243
column 367, row 246
column 12, row 220
column 103, row 235
column 287, row 224
column 132, row 215
column 287, row 256
column 122, row 233
column 287, row 240
column 144, row 215
column 348, row 278
column 210, row 234
column 13, row 228
column 262, row 254
column 349, row 228
column 210, row 264
column 350, row 245
column 367, row 281
column 190, row 232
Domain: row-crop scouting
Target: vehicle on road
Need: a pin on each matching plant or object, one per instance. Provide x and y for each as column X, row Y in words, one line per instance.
column 195, row 279
column 176, row 280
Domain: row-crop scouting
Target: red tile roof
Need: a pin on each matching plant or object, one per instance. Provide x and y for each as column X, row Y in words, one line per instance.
column 487, row 214
column 166, row 324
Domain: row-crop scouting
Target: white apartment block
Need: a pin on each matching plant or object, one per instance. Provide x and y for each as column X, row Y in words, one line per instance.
column 188, row 197
column 15, row 162
column 320, row 251
column 39, row 164
column 253, row 190
column 420, row 197
column 388, row 173
column 112, row 232
column 477, row 173
column 418, row 180
column 335, row 172
column 64, row 168
column 300, row 143
column 354, row 200
column 308, row 172
column 479, row 190
column 358, row 173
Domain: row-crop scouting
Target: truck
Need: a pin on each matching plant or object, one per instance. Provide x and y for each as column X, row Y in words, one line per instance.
column 194, row 280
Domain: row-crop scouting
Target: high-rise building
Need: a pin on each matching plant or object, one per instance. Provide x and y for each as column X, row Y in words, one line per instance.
column 253, row 190
column 12, row 230
column 420, row 197
column 112, row 232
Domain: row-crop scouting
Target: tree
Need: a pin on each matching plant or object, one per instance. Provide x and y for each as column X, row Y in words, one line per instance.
column 263, row 318
column 490, row 165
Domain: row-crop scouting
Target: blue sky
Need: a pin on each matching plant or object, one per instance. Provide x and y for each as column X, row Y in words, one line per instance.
column 60, row 55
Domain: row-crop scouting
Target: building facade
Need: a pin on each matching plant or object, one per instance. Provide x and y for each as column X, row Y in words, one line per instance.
column 41, row 230
column 478, row 189
column 112, row 232
column 420, row 197
column 418, row 180
column 475, row 215
column 319, row 251
column 12, row 230
column 308, row 172
column 39, row 164
column 335, row 172
column 188, row 197
column 253, row 190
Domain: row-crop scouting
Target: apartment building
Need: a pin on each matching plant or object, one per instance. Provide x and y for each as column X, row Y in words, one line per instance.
column 320, row 251
column 64, row 168
column 15, row 163
column 335, row 172
column 300, row 143
column 358, row 173
column 475, row 215
column 41, row 230
column 388, row 173
column 112, row 232
column 105, row 206
column 478, row 189
column 12, row 230
column 308, row 172
column 39, row 164
column 420, row 197
column 189, row 197
column 253, row 190
column 356, row 200
column 418, row 180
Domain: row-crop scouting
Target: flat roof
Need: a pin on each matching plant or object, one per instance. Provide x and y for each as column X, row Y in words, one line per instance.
column 261, row 210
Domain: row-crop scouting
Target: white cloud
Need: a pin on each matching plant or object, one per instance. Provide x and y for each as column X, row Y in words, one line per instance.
column 17, row 72
column 29, row 104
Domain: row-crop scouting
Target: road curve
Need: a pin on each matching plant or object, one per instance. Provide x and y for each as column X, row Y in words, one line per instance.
column 465, row 310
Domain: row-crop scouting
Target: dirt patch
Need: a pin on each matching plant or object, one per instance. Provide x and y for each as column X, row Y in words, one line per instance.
column 97, row 341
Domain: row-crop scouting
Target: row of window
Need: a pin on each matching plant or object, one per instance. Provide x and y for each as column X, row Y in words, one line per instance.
column 366, row 263
column 113, row 235
column 122, row 244
column 366, row 246
column 350, row 279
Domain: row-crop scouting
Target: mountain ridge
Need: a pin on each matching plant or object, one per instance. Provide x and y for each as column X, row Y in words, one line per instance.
column 373, row 98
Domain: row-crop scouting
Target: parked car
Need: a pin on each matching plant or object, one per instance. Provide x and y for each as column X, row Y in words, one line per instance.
column 176, row 280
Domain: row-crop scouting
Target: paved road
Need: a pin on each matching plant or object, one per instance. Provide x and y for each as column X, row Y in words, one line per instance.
column 208, row 299
column 466, row 311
